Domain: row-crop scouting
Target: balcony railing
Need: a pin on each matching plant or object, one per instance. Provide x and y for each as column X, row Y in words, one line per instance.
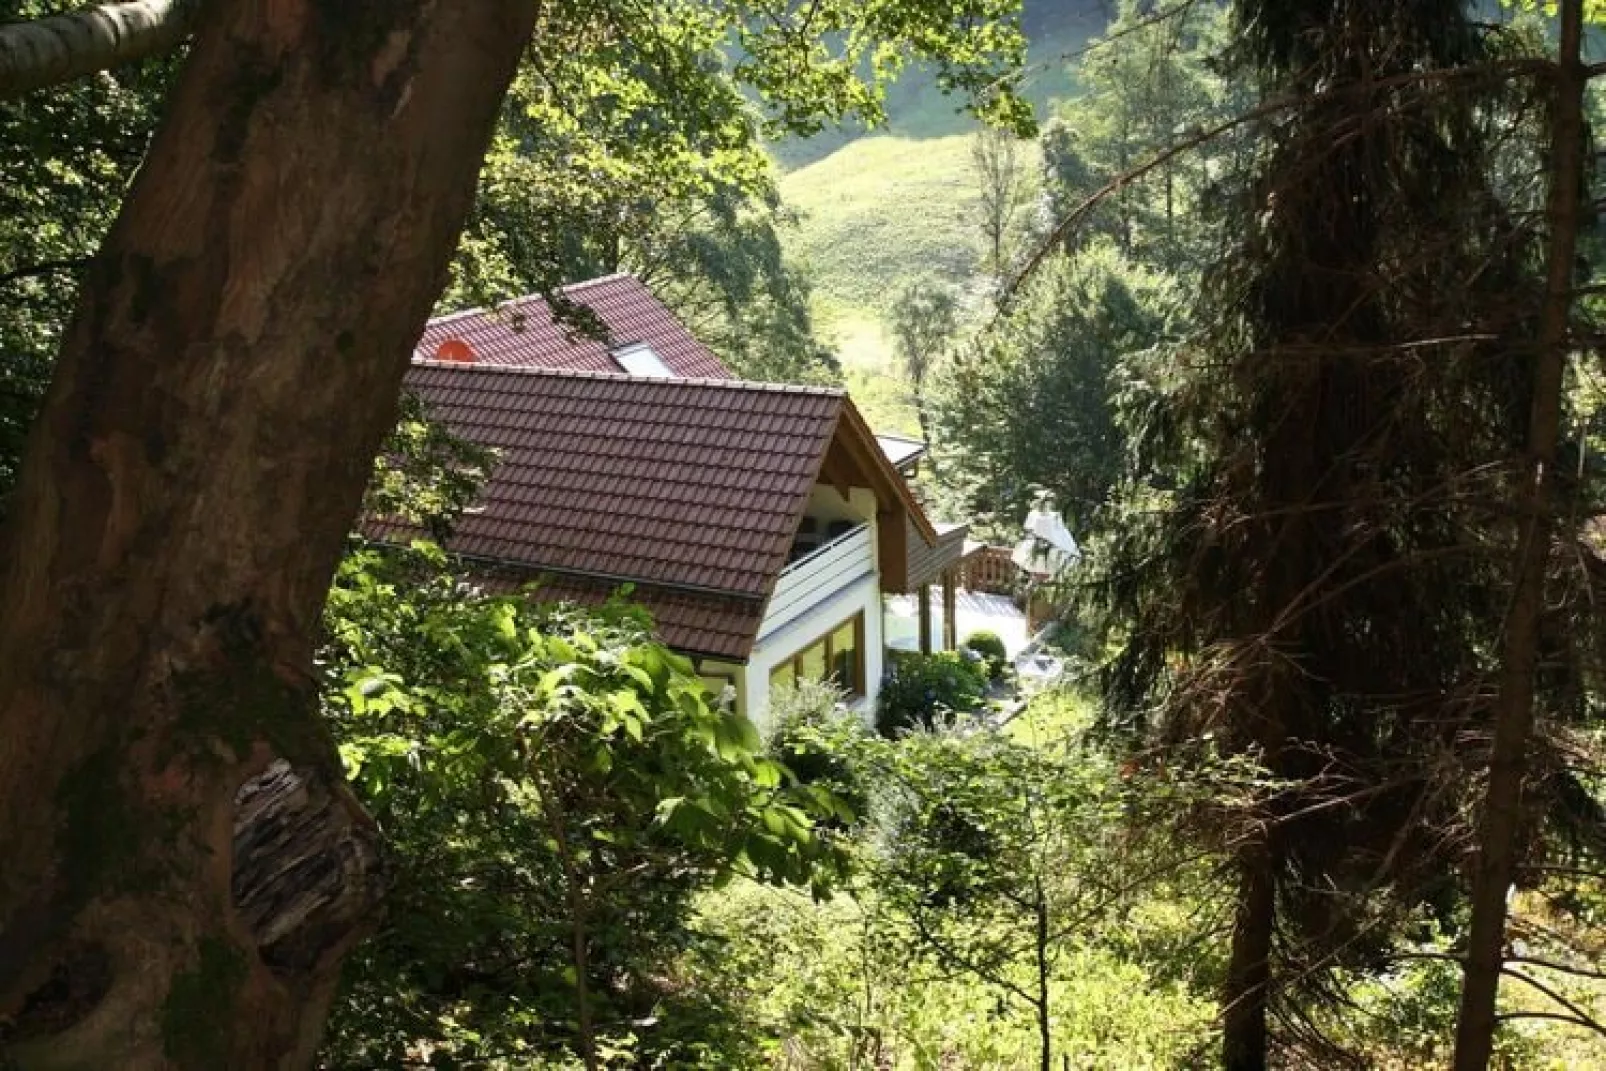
column 810, row 579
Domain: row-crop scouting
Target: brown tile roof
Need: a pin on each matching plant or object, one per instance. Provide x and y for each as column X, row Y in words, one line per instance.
column 696, row 485
column 927, row 558
column 697, row 623
column 522, row 332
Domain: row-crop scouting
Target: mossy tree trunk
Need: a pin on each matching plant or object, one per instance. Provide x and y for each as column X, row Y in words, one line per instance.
column 183, row 869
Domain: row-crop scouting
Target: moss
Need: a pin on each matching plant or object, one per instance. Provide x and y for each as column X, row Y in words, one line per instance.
column 242, row 700
column 199, row 1010
column 100, row 826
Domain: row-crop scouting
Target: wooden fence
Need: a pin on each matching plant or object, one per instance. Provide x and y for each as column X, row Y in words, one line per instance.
column 992, row 570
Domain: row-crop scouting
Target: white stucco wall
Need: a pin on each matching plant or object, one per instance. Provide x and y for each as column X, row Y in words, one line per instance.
column 734, row 670
column 782, row 636
column 773, row 648
column 827, row 504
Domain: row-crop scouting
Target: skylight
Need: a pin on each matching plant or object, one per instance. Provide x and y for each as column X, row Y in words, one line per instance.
column 639, row 360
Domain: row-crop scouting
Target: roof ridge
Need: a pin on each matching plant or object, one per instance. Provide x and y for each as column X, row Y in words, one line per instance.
column 610, row 277
column 533, row 295
column 747, row 385
column 436, row 321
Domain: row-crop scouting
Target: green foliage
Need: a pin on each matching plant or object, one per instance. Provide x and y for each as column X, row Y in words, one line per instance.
column 1146, row 86
column 828, row 991
column 1029, row 406
column 972, row 840
column 1006, row 187
column 922, row 689
column 425, row 475
column 925, row 325
column 67, row 155
column 814, row 737
column 554, row 787
column 1296, row 568
column 629, row 143
column 991, row 648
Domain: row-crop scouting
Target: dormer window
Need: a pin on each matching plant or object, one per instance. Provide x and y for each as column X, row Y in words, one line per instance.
column 638, row 359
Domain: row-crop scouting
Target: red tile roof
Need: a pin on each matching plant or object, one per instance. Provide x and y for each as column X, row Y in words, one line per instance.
column 692, row 489
column 522, row 332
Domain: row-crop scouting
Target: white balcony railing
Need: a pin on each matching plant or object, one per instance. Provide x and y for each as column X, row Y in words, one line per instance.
column 811, row 579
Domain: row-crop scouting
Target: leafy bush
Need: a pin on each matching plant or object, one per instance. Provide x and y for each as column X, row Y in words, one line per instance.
column 555, row 788
column 817, row 740
column 920, row 689
column 990, row 647
column 940, row 957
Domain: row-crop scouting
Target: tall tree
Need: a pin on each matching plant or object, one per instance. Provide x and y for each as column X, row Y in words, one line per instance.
column 1502, row 820
column 1004, row 193
column 1314, row 579
column 925, row 325
column 627, row 144
column 185, row 868
column 1146, row 85
column 1030, row 404
column 232, row 366
column 67, row 157
column 46, row 51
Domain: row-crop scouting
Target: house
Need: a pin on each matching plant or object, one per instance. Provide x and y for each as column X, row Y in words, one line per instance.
column 644, row 338
column 761, row 525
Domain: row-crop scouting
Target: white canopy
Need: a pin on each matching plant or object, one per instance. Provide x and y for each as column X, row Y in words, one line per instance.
column 1048, row 546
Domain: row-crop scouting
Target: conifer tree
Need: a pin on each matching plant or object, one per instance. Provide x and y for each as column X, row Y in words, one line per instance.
column 1315, row 572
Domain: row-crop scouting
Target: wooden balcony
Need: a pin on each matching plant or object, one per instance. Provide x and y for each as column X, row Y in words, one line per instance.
column 813, row 578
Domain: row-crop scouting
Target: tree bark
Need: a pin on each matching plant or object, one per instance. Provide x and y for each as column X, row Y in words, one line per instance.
column 1045, row 1022
column 47, row 52
column 183, row 866
column 1501, row 822
column 1248, row 989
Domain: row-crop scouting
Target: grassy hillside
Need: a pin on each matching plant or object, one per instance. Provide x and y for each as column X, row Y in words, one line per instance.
column 881, row 210
column 876, row 215
column 917, row 109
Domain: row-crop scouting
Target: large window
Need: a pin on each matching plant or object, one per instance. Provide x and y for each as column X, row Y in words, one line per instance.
column 838, row 656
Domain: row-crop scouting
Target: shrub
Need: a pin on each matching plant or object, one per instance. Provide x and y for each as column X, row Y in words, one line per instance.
column 920, row 688
column 991, row 648
column 817, row 740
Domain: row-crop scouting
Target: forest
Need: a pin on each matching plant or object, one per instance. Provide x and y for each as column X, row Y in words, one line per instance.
column 1289, row 309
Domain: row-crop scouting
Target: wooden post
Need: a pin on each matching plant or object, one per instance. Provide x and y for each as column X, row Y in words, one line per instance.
column 925, row 618
column 950, row 612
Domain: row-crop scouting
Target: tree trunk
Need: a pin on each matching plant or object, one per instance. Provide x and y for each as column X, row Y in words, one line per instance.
column 46, row 52
column 183, row 867
column 1045, row 1022
column 1514, row 715
column 1248, row 988
column 579, row 927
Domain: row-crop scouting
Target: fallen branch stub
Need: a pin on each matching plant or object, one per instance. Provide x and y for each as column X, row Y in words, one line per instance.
column 307, row 869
